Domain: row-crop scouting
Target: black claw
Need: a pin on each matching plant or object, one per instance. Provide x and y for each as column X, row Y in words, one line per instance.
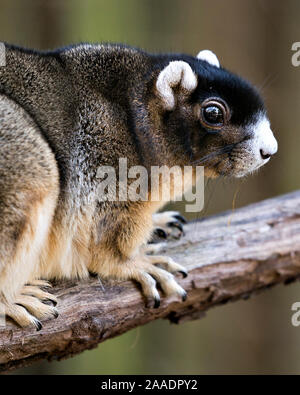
column 184, row 274
column 54, row 302
column 175, row 225
column 180, row 218
column 56, row 314
column 161, row 233
column 184, row 297
column 39, row 325
column 156, row 303
column 178, row 237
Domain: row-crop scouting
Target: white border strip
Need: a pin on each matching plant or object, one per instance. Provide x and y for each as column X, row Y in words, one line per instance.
column 2, row 55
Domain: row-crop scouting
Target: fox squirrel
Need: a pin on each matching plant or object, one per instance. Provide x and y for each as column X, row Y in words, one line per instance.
column 64, row 113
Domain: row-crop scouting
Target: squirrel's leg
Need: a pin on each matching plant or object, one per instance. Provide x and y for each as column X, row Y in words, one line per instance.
column 29, row 187
column 120, row 254
column 24, row 239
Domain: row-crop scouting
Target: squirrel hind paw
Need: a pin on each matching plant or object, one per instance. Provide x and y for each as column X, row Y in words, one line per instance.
column 169, row 265
column 37, row 308
column 167, row 225
column 35, row 291
column 163, row 274
column 21, row 316
column 32, row 305
column 144, row 270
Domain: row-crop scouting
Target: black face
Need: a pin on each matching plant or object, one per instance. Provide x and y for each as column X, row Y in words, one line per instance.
column 233, row 129
column 222, row 125
column 239, row 96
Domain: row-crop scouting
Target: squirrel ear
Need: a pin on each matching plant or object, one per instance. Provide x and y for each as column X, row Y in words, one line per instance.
column 177, row 72
column 209, row 57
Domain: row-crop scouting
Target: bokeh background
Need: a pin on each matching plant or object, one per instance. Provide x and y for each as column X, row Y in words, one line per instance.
column 254, row 39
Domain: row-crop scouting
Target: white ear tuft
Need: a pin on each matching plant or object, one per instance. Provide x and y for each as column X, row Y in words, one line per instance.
column 176, row 72
column 209, row 57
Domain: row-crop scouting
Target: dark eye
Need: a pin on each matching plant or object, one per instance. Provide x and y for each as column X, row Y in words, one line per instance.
column 214, row 113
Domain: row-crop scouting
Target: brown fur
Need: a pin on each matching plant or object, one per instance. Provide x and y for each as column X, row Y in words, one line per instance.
column 62, row 115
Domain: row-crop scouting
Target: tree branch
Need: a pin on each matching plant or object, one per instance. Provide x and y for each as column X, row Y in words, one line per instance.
column 229, row 256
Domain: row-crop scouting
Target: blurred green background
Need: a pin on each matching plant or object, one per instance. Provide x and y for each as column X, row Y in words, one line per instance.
column 254, row 39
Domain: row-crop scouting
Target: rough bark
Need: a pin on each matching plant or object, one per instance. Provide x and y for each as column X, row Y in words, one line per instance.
column 229, row 256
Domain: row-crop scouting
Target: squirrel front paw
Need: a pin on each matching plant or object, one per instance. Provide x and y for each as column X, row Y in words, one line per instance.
column 167, row 225
column 149, row 271
column 28, row 308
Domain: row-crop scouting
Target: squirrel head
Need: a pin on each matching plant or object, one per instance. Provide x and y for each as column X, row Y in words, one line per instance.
column 217, row 118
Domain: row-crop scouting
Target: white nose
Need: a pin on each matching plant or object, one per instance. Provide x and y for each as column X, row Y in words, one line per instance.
column 264, row 142
column 268, row 143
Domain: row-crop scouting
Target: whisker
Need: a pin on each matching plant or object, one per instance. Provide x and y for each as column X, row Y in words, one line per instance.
column 221, row 151
column 270, row 79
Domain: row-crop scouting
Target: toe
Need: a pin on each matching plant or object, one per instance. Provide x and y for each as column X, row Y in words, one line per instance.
column 40, row 283
column 38, row 293
column 36, row 307
column 22, row 317
column 180, row 218
column 175, row 224
column 168, row 224
column 161, row 233
column 148, row 284
column 169, row 264
column 167, row 282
